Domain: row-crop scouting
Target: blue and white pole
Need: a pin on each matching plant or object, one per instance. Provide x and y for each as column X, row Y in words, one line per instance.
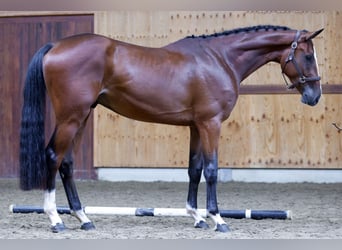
column 131, row 211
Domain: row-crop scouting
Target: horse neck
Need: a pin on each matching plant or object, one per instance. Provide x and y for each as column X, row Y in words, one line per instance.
column 253, row 50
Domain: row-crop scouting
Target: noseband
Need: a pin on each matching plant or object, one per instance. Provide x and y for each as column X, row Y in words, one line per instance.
column 291, row 58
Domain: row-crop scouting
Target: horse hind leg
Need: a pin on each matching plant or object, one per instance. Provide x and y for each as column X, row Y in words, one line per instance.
column 50, row 207
column 61, row 145
column 66, row 172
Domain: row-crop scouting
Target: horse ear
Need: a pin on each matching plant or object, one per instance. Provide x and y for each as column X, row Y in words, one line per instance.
column 312, row 35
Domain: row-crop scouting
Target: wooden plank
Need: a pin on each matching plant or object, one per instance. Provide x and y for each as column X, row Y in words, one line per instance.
column 260, row 89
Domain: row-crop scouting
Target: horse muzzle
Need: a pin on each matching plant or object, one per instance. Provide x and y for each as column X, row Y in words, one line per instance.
column 311, row 97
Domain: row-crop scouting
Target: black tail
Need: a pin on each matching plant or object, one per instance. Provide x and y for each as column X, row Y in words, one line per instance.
column 33, row 168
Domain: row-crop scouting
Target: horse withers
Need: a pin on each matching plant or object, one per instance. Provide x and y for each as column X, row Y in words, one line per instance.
column 192, row 82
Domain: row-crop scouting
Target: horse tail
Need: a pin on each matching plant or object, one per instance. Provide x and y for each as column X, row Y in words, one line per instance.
column 33, row 167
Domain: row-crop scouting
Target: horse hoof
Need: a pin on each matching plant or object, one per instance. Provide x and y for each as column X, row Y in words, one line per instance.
column 223, row 228
column 59, row 227
column 202, row 224
column 88, row 226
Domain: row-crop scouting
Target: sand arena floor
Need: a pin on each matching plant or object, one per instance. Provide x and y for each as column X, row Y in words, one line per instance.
column 316, row 211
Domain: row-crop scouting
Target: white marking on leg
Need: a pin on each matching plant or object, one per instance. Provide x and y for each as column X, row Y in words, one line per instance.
column 217, row 220
column 194, row 213
column 80, row 215
column 50, row 207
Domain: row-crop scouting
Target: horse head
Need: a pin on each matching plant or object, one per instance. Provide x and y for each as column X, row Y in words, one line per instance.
column 299, row 64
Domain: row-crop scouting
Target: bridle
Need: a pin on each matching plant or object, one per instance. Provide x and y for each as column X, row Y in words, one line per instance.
column 291, row 58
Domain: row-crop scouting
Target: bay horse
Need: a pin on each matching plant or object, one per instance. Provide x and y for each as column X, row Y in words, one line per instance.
column 192, row 82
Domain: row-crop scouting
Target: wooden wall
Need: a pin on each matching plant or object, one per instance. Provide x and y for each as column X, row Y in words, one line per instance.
column 265, row 130
column 21, row 35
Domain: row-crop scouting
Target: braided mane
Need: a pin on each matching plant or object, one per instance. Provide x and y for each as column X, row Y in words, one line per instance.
column 241, row 30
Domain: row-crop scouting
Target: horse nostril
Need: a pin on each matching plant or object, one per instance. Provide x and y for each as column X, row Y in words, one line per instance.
column 314, row 101
column 305, row 98
column 310, row 100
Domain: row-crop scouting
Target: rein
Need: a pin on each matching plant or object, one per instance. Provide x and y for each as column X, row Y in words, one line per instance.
column 291, row 58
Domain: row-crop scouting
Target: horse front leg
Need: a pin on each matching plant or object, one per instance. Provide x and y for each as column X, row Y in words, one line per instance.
column 195, row 172
column 210, row 174
column 66, row 173
column 209, row 132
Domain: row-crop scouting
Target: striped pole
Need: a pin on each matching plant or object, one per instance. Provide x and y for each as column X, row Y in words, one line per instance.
column 160, row 212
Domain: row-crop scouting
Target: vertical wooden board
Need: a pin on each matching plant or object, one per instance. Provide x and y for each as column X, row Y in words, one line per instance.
column 9, row 106
column 314, row 135
column 115, row 136
column 234, row 145
column 159, row 34
column 258, row 134
column 332, row 34
column 290, row 133
column 332, row 137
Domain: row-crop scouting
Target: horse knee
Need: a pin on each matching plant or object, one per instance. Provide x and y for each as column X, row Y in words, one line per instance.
column 195, row 174
column 195, row 168
column 210, row 174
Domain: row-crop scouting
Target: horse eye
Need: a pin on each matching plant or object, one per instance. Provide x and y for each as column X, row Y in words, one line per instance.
column 309, row 58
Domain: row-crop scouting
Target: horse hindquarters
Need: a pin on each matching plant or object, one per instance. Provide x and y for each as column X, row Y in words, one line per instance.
column 38, row 166
column 73, row 84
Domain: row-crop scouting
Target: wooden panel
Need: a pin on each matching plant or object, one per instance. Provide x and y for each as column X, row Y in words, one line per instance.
column 278, row 131
column 264, row 130
column 20, row 38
